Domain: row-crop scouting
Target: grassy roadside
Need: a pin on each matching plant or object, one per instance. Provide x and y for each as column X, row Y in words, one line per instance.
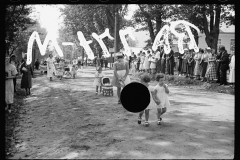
column 175, row 80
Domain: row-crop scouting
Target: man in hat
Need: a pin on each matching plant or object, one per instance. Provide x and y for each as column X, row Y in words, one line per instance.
column 218, row 57
column 224, row 65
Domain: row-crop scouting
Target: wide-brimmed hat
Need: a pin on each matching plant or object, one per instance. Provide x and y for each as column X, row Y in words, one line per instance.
column 185, row 49
column 208, row 48
column 118, row 54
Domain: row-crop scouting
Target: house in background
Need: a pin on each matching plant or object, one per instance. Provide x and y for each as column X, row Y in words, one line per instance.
column 226, row 39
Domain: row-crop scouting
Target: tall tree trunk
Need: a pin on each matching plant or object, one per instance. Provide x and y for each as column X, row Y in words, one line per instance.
column 116, row 32
column 216, row 26
column 150, row 28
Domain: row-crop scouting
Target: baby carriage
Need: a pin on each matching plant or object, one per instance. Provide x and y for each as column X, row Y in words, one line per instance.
column 107, row 88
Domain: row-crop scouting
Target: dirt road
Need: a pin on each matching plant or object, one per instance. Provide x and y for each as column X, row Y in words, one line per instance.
column 65, row 119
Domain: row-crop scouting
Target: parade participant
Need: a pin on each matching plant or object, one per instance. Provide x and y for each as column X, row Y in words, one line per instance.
column 121, row 71
column 232, row 70
column 10, row 73
column 170, row 62
column 154, row 100
column 190, row 64
column 146, row 62
column 211, row 73
column 14, row 62
column 27, row 72
column 224, row 65
column 50, row 67
column 204, row 63
column 162, row 91
column 98, row 79
column 74, row 70
column 184, row 62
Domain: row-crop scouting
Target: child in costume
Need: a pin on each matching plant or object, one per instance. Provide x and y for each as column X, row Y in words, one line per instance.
column 98, row 78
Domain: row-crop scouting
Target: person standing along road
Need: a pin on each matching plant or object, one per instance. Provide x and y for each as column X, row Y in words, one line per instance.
column 106, row 62
column 10, row 73
column 27, row 76
column 101, row 61
column 14, row 62
column 224, row 65
column 211, row 73
column 197, row 69
column 50, row 67
column 158, row 59
column 37, row 63
column 204, row 64
column 190, row 64
column 179, row 66
column 170, row 63
column 184, row 62
column 232, row 70
column 138, row 61
column 163, row 62
column 121, row 71
column 219, row 55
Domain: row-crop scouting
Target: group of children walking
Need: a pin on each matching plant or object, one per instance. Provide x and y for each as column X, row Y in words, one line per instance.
column 159, row 98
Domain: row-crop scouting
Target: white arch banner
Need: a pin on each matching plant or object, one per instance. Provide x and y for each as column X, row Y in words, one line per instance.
column 100, row 41
column 42, row 47
column 85, row 45
column 122, row 34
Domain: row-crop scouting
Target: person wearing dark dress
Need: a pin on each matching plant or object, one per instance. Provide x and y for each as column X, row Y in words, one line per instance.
column 179, row 68
column 184, row 62
column 163, row 62
column 37, row 63
column 101, row 61
column 106, row 62
column 138, row 60
column 224, row 65
column 190, row 64
column 158, row 59
column 27, row 75
column 170, row 63
column 218, row 57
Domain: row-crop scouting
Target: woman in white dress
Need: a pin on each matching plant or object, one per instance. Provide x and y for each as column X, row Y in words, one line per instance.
column 146, row 63
column 50, row 66
column 153, row 64
column 141, row 68
column 232, row 69
column 11, row 72
column 120, row 76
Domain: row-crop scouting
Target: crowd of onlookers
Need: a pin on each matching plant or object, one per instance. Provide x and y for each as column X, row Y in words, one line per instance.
column 205, row 65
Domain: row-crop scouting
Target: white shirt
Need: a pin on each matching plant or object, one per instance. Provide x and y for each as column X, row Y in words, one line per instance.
column 157, row 55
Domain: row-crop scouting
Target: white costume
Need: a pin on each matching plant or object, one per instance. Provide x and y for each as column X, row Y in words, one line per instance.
column 163, row 96
column 232, row 70
column 50, row 64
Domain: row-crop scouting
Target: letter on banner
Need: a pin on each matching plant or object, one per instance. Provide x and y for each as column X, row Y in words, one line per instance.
column 42, row 47
column 85, row 45
column 157, row 41
column 180, row 36
column 100, row 41
column 122, row 34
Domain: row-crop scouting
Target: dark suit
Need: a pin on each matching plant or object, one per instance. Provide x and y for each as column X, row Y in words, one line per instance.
column 224, row 66
column 218, row 66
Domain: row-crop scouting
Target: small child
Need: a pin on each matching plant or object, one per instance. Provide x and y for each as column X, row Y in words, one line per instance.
column 98, row 78
column 145, row 79
column 74, row 70
column 61, row 68
column 162, row 92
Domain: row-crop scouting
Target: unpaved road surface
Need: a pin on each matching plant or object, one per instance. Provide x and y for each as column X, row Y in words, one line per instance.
column 65, row 119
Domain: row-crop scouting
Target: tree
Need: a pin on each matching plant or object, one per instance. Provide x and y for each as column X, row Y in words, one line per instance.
column 152, row 17
column 93, row 18
column 17, row 20
column 207, row 18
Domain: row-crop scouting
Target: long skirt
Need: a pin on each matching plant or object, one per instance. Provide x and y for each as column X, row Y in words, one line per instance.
column 204, row 68
column 163, row 65
column 211, row 71
column 197, row 69
column 26, row 81
column 9, row 91
column 121, row 73
column 179, row 66
column 184, row 66
column 190, row 68
column 158, row 66
column 232, row 76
